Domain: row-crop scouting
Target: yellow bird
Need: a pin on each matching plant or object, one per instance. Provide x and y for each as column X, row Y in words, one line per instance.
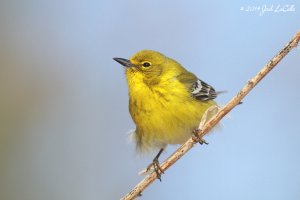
column 166, row 102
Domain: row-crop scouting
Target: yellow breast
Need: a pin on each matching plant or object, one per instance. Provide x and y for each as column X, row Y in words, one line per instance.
column 165, row 113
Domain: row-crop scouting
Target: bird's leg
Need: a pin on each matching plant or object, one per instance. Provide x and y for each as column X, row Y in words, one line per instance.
column 206, row 116
column 197, row 138
column 155, row 165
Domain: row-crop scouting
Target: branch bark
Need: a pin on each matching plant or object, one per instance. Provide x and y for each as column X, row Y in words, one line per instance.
column 140, row 187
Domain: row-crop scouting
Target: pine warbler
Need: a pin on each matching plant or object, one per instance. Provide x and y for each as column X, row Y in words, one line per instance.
column 166, row 101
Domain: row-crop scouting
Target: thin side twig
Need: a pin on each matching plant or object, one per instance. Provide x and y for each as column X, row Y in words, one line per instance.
column 140, row 187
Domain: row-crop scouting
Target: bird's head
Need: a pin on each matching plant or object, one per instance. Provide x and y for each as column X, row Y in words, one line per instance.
column 148, row 65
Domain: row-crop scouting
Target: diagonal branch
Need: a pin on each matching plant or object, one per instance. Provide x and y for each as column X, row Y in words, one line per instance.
column 137, row 190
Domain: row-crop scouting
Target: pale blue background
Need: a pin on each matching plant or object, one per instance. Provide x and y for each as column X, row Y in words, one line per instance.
column 63, row 103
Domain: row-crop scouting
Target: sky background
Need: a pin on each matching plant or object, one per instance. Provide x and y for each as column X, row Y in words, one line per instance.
column 64, row 105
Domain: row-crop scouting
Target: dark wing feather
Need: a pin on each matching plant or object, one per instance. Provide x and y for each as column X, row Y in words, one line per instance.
column 202, row 91
column 199, row 89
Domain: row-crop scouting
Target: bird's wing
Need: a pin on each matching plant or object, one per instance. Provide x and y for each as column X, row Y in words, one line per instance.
column 202, row 91
column 199, row 89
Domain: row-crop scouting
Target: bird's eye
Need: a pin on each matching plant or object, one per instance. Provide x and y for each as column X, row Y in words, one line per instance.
column 146, row 64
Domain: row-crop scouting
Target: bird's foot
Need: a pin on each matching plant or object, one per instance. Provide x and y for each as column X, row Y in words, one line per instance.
column 196, row 137
column 155, row 167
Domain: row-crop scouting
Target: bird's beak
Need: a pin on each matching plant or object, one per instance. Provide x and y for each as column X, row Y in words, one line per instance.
column 124, row 62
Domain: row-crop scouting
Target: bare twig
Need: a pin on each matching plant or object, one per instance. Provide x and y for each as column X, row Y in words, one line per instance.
column 137, row 190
